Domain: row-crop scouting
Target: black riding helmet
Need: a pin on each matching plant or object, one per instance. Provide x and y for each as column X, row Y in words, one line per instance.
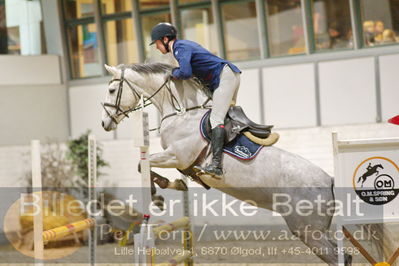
column 161, row 30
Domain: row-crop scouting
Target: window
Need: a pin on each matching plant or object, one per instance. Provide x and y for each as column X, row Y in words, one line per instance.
column 119, row 32
column 241, row 31
column 198, row 26
column 191, row 1
column 148, row 22
column 115, row 6
column 285, row 27
column 83, row 50
column 75, row 9
column 148, row 4
column 21, row 28
column 332, row 24
column 82, row 38
column 120, row 39
column 380, row 21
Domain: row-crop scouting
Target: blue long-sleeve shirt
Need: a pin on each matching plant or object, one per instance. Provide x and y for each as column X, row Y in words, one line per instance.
column 195, row 60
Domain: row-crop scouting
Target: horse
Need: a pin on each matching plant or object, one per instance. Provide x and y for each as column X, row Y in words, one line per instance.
column 371, row 170
column 181, row 104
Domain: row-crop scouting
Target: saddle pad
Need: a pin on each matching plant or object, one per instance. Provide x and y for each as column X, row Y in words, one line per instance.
column 240, row 147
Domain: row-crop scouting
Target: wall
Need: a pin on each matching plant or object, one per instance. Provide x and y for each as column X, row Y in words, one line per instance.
column 33, row 100
column 325, row 91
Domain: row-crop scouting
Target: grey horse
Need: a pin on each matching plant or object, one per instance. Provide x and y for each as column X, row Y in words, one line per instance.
column 273, row 172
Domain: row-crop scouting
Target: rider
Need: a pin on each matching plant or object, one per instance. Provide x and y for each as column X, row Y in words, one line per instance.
column 220, row 76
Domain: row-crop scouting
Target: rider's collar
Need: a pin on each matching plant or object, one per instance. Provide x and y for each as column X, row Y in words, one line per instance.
column 172, row 46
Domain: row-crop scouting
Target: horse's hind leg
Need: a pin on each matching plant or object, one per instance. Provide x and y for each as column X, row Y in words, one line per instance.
column 318, row 240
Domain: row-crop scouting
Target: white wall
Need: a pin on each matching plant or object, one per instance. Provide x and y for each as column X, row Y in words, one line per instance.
column 33, row 100
column 33, row 112
column 86, row 110
column 30, row 70
column 249, row 95
column 348, row 91
column 389, row 86
column 289, row 96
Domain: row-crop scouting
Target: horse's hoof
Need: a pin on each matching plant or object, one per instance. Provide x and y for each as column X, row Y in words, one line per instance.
column 347, row 259
column 180, row 185
column 158, row 201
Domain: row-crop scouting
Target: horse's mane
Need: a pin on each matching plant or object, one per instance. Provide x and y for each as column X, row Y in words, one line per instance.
column 161, row 68
column 152, row 68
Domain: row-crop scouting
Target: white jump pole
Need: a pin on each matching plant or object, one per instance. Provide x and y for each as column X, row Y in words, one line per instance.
column 92, row 183
column 145, row 240
column 187, row 234
column 141, row 138
column 38, row 217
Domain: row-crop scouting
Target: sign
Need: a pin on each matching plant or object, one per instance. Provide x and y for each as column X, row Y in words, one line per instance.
column 368, row 172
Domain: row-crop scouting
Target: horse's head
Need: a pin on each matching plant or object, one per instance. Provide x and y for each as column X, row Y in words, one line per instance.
column 121, row 97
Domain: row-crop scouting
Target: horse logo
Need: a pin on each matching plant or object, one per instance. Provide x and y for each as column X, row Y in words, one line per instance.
column 371, row 170
column 375, row 180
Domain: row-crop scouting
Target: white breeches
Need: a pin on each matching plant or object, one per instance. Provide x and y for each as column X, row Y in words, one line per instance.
column 224, row 95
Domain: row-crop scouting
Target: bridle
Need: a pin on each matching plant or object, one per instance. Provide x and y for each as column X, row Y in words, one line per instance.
column 146, row 102
column 117, row 106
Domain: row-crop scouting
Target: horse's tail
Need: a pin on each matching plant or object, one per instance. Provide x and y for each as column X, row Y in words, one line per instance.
column 360, row 177
column 382, row 239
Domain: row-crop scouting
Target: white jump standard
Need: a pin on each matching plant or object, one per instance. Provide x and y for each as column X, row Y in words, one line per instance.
column 367, row 170
column 146, row 238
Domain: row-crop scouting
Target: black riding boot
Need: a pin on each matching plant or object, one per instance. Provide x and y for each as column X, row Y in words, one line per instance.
column 215, row 169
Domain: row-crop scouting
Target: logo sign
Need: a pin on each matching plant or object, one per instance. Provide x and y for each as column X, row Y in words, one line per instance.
column 376, row 180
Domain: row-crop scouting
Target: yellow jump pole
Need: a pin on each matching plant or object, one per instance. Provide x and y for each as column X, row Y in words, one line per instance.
column 65, row 230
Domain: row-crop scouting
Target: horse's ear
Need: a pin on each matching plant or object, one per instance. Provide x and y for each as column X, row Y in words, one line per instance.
column 112, row 70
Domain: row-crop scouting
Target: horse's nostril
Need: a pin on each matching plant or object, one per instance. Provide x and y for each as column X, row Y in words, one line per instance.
column 102, row 123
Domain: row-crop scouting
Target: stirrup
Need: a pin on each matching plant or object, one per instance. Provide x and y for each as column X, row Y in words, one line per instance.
column 199, row 171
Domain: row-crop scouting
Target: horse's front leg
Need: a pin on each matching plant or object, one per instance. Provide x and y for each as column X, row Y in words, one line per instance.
column 156, row 160
column 166, row 159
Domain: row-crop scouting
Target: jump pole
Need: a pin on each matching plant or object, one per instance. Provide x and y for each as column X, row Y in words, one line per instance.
column 41, row 237
column 38, row 217
column 92, row 183
column 141, row 138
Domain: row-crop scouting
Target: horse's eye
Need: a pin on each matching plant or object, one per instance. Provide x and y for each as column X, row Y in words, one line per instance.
column 112, row 90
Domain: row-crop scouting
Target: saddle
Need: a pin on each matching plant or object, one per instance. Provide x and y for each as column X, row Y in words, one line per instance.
column 237, row 122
